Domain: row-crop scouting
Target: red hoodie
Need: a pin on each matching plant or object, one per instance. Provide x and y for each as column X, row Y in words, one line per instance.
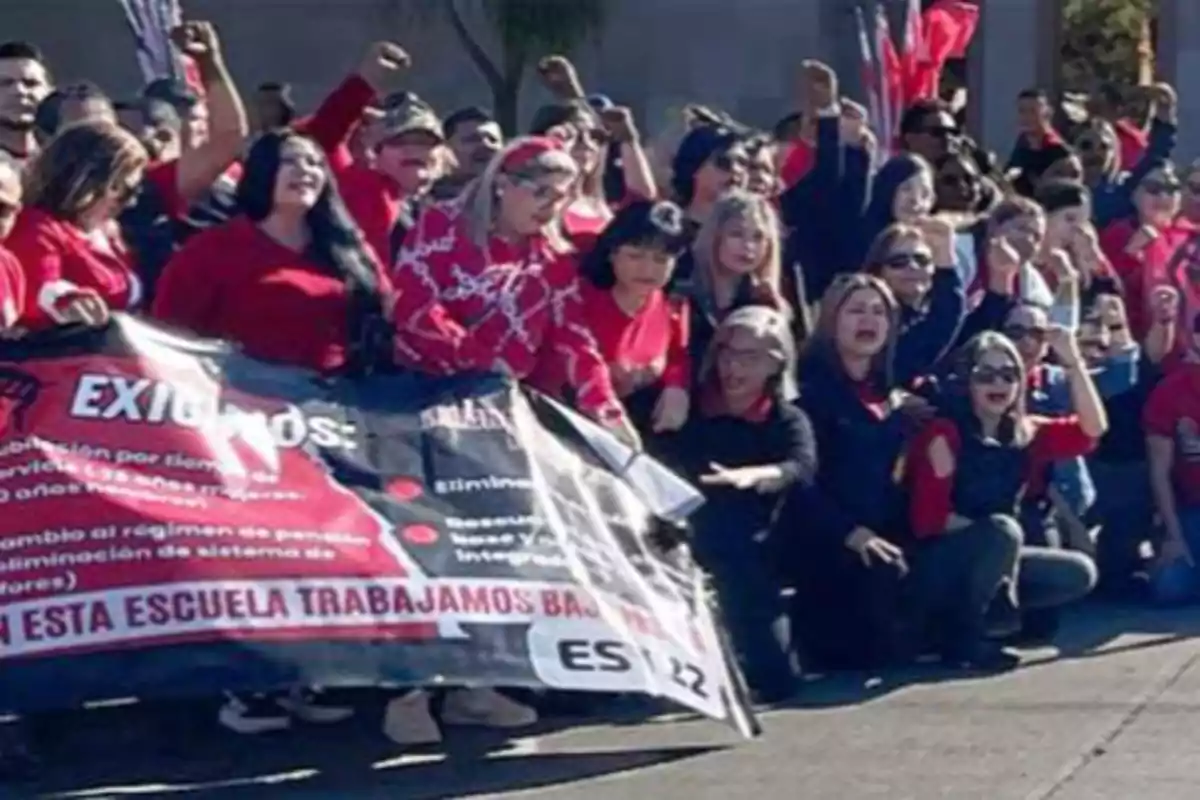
column 508, row 307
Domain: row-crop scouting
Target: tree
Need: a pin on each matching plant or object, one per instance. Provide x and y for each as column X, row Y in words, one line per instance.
column 525, row 31
column 1104, row 41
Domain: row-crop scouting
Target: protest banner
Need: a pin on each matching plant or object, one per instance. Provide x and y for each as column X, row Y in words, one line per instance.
column 176, row 517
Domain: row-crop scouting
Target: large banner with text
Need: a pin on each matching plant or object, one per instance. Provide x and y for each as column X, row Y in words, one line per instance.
column 178, row 518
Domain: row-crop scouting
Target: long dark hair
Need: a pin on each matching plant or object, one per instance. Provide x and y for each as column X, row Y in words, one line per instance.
column 336, row 245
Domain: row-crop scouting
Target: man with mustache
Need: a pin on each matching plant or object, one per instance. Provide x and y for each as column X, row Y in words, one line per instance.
column 24, row 84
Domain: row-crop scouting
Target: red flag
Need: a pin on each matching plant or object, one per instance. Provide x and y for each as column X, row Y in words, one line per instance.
column 870, row 76
column 947, row 29
column 891, row 81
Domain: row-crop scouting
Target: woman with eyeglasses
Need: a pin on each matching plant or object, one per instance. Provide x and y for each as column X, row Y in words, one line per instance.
column 1141, row 248
column 1100, row 150
column 917, row 262
column 748, row 447
column 969, row 471
column 591, row 136
column 77, row 267
column 487, row 282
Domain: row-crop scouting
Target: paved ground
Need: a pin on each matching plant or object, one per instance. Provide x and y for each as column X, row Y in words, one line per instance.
column 1112, row 716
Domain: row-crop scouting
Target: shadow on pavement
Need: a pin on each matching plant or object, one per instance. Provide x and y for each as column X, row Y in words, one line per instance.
column 163, row 751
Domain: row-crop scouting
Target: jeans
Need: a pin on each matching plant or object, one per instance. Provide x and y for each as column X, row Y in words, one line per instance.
column 1050, row 578
column 956, row 575
column 1177, row 583
column 1124, row 509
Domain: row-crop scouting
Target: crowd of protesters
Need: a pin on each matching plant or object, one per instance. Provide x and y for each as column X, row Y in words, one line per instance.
column 930, row 398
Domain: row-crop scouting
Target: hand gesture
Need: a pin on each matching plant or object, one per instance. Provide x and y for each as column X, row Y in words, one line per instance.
column 85, row 307
column 618, row 121
column 1140, row 240
column 671, row 411
column 872, row 548
column 767, row 293
column 1004, row 263
column 1111, row 310
column 381, row 64
column 939, row 235
column 1164, row 304
column 912, row 405
column 852, row 124
column 1063, row 345
column 1059, row 263
column 1085, row 245
column 560, row 78
column 763, row 479
column 197, row 40
column 820, row 85
column 1164, row 98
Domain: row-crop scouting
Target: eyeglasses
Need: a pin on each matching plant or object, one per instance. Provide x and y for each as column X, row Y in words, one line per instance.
column 921, row 261
column 984, row 374
column 1017, row 332
column 727, row 162
column 1160, row 188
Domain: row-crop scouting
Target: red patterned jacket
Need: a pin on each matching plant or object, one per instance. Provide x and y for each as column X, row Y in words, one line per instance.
column 511, row 309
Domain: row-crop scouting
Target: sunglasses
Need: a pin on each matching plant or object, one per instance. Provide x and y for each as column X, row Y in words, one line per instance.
column 1160, row 188
column 1017, row 332
column 939, row 133
column 988, row 375
column 921, row 261
column 728, row 163
column 955, row 179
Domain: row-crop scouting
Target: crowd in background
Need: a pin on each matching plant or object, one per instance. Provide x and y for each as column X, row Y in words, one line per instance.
column 931, row 398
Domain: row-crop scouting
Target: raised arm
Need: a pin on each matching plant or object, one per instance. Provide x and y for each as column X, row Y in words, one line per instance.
column 199, row 167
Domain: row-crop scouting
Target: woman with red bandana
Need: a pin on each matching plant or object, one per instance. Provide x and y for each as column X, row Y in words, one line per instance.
column 485, row 282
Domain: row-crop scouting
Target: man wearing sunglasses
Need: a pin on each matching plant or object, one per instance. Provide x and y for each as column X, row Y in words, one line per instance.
column 929, row 130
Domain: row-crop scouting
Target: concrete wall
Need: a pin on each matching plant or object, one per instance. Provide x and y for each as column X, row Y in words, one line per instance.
column 654, row 54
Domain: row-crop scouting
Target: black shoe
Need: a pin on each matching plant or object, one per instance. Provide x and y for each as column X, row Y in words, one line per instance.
column 253, row 714
column 1003, row 618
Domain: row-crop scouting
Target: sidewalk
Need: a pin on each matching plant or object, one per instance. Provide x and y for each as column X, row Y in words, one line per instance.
column 1109, row 719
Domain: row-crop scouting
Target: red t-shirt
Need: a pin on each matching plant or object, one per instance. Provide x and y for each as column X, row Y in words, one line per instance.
column 59, row 259
column 648, row 347
column 12, row 288
column 234, row 282
column 163, row 177
column 1173, row 412
column 374, row 201
column 931, row 502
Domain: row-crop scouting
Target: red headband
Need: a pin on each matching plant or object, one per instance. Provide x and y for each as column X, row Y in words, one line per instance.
column 530, row 148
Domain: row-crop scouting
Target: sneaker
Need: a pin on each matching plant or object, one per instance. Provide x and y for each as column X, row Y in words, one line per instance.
column 1003, row 618
column 485, row 708
column 253, row 713
column 408, row 722
column 314, row 707
column 982, row 657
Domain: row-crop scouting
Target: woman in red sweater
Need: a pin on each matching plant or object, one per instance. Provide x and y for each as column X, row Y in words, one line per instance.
column 486, row 282
column 969, row 470
column 641, row 333
column 76, row 265
column 290, row 279
column 1140, row 248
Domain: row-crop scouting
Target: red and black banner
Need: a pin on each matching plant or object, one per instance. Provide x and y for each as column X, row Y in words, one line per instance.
column 177, row 518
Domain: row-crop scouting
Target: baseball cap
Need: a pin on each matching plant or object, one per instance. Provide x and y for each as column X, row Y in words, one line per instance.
column 404, row 112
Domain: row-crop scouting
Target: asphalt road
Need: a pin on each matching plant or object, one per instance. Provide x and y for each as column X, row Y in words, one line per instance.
column 1113, row 714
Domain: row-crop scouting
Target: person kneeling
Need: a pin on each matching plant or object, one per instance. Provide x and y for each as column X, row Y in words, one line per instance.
column 969, row 470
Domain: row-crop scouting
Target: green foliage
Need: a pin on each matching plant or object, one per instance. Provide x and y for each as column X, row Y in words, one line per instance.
column 1101, row 40
column 536, row 28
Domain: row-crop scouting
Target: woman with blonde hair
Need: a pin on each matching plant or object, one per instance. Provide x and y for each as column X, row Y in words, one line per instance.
column 968, row 472
column 917, row 262
column 734, row 262
column 486, row 282
column 77, row 266
column 749, row 448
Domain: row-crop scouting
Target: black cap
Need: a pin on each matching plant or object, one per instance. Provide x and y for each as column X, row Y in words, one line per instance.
column 173, row 91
